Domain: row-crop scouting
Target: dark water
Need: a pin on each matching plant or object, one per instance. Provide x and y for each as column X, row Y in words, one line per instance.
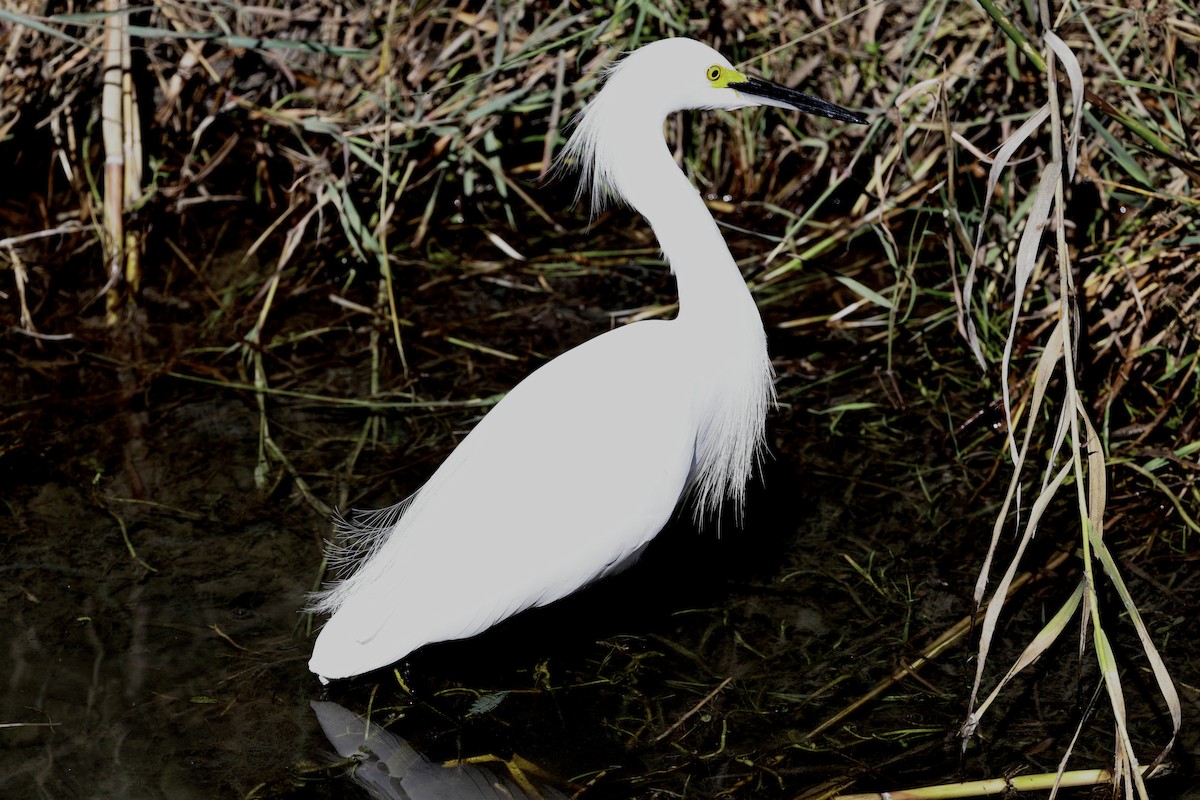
column 183, row 679
column 153, row 646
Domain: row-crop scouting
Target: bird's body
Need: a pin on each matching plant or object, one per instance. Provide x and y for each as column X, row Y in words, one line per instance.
column 523, row 459
column 581, row 464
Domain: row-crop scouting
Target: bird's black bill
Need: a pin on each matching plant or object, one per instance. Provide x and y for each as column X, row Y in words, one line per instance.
column 783, row 97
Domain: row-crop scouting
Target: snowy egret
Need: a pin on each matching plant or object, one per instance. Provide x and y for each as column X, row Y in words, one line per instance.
column 578, row 467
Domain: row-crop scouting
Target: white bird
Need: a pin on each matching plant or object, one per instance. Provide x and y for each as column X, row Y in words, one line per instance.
column 583, row 463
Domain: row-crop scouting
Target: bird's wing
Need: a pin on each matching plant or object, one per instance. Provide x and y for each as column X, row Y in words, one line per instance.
column 576, row 469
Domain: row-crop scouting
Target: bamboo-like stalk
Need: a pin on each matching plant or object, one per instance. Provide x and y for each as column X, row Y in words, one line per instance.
column 112, row 130
column 131, row 153
column 995, row 787
column 122, row 140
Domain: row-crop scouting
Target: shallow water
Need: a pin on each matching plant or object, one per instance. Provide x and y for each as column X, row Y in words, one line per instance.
column 154, row 647
column 179, row 669
column 183, row 679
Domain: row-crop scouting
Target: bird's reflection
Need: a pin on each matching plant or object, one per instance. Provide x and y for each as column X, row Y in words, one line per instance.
column 390, row 769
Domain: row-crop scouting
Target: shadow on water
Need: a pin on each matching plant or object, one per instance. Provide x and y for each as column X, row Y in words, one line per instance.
column 153, row 646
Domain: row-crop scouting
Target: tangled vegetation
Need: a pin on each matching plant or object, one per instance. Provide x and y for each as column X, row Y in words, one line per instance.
column 1026, row 196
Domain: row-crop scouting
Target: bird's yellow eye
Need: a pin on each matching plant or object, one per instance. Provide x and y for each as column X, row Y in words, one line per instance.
column 720, row 77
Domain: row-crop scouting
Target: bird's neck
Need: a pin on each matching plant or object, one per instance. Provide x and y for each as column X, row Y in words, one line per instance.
column 710, row 285
column 732, row 373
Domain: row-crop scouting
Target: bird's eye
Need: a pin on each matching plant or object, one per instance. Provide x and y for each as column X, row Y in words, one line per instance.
column 714, row 72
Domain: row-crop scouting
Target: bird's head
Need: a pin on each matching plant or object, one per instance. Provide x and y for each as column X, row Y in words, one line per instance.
column 678, row 74
column 659, row 78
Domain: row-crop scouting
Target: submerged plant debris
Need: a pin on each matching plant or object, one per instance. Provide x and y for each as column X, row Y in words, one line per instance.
column 339, row 249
